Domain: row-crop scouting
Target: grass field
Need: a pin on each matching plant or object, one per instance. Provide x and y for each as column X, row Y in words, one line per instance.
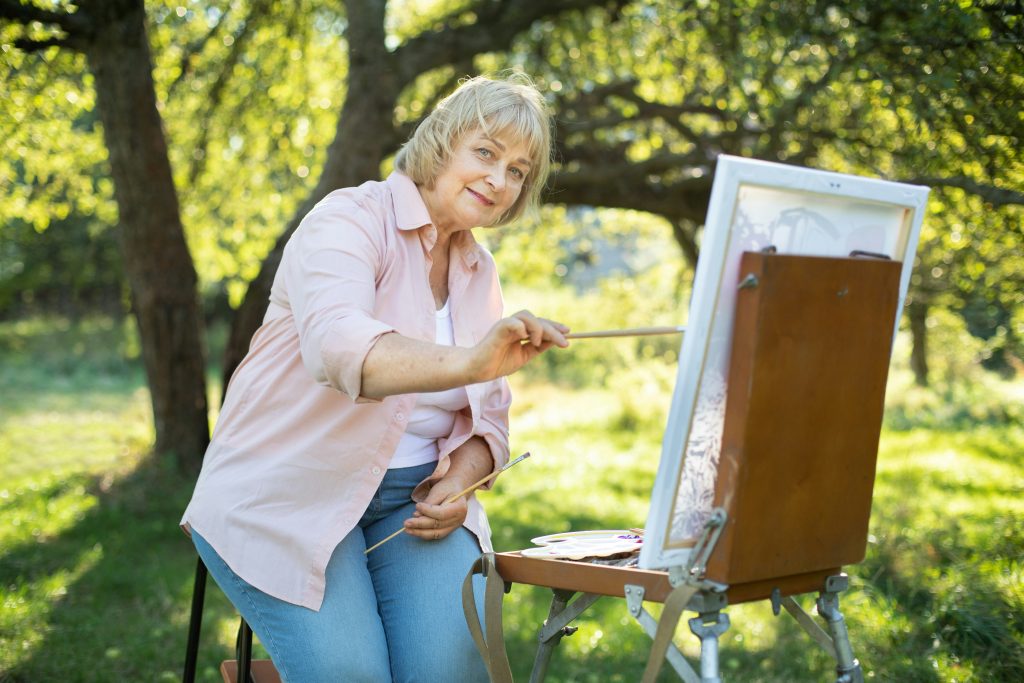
column 96, row 578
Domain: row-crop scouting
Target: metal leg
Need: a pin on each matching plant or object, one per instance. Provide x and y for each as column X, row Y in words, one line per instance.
column 635, row 600
column 675, row 605
column 195, row 623
column 243, row 651
column 847, row 667
column 546, row 642
column 709, row 626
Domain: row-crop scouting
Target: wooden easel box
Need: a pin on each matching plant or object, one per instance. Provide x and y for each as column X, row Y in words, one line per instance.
column 806, row 391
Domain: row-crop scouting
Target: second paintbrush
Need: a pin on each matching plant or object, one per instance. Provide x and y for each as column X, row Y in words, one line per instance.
column 455, row 497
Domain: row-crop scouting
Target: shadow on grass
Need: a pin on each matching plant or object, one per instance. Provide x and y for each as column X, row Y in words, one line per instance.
column 124, row 614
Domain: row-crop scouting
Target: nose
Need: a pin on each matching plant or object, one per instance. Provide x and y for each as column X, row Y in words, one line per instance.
column 496, row 179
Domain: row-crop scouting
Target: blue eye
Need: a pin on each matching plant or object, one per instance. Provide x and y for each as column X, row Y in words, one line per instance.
column 484, row 152
column 517, row 173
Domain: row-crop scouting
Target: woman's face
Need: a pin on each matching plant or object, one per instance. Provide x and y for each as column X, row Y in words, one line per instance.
column 482, row 180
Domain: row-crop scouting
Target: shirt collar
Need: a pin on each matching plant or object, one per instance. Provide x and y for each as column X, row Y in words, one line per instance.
column 411, row 213
column 468, row 248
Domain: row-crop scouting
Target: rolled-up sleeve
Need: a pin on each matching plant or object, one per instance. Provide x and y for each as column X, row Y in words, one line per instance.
column 331, row 265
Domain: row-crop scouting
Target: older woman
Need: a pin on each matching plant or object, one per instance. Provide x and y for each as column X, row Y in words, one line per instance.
column 371, row 394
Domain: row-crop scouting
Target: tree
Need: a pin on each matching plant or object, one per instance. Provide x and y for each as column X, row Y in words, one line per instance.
column 642, row 115
column 112, row 37
column 380, row 75
column 647, row 94
column 923, row 94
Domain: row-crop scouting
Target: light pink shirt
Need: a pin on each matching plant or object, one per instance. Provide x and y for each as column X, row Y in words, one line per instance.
column 297, row 452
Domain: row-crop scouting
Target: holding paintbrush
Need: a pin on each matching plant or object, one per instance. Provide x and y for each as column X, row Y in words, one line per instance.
column 372, row 400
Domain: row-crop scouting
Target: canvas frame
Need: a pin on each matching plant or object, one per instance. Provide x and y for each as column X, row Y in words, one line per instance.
column 832, row 215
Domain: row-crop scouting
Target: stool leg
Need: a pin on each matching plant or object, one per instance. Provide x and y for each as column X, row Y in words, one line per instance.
column 195, row 623
column 243, row 650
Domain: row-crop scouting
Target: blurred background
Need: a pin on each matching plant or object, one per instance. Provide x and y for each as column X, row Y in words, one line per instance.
column 155, row 156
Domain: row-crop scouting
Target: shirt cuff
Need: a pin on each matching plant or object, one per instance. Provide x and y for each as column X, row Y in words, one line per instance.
column 344, row 351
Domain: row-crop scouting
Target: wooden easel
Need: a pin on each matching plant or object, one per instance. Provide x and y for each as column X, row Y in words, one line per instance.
column 809, row 361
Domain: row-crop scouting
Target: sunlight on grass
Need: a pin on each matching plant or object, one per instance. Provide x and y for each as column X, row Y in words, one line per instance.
column 24, row 621
column 93, row 562
column 942, row 498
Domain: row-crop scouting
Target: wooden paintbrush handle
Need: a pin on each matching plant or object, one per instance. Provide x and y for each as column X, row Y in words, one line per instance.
column 631, row 332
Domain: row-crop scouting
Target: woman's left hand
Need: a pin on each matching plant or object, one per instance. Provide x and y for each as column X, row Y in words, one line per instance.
column 434, row 519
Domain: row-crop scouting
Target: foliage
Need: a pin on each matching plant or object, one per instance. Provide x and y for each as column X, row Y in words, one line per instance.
column 647, row 95
column 925, row 94
column 93, row 567
column 57, row 247
column 250, row 93
column 72, row 267
column 962, row 394
column 52, row 155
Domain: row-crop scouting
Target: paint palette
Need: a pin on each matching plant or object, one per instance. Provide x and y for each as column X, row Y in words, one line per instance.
column 576, row 545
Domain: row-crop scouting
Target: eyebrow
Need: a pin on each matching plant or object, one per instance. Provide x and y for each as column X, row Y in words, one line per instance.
column 500, row 146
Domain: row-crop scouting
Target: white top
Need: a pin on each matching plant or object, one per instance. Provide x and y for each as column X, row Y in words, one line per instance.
column 434, row 414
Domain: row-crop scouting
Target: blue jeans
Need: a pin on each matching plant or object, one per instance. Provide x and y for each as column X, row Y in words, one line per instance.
column 392, row 615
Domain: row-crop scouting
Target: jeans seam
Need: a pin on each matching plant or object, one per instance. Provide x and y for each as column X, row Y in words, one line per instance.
column 241, row 585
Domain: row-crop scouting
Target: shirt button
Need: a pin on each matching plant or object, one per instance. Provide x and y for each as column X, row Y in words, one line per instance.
column 376, row 470
column 400, row 417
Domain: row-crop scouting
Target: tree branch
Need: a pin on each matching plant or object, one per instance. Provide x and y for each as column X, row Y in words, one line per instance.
column 627, row 186
column 197, row 46
column 28, row 45
column 76, row 24
column 498, row 23
column 996, row 196
column 215, row 95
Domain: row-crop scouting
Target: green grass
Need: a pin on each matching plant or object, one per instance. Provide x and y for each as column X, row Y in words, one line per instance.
column 96, row 578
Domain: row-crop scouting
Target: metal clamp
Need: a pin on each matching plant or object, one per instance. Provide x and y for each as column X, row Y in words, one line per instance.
column 701, row 551
column 634, row 599
column 749, row 282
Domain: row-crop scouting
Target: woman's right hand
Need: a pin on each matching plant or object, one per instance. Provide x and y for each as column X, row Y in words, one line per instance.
column 515, row 341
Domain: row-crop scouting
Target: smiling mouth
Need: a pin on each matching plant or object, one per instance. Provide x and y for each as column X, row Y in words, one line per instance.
column 482, row 199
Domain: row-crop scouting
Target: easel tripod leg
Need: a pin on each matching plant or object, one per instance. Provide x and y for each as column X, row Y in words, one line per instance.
column 546, row 646
column 847, row 667
column 709, row 626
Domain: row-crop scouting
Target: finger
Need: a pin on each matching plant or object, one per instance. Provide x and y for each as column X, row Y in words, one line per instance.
column 532, row 327
column 542, row 329
column 555, row 332
column 446, row 512
column 430, row 534
column 515, row 328
column 429, row 531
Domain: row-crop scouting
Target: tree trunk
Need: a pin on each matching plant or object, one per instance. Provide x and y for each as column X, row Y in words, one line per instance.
column 156, row 257
column 685, row 233
column 365, row 135
column 917, row 312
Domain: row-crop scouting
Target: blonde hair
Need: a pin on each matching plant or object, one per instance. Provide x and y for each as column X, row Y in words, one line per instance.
column 511, row 107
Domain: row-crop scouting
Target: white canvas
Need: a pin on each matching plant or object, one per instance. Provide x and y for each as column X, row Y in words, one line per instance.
column 756, row 204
